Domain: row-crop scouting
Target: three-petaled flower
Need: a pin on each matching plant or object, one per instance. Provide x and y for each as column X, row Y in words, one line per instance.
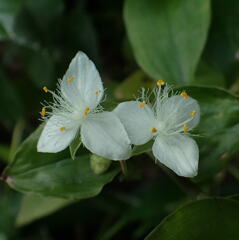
column 167, row 121
column 76, row 106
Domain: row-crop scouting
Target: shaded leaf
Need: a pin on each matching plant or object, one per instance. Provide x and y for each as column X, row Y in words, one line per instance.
column 205, row 219
column 34, row 207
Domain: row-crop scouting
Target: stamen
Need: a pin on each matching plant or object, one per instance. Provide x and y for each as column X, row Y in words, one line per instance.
column 153, row 130
column 193, row 113
column 185, row 127
column 184, row 95
column 97, row 91
column 86, row 111
column 45, row 89
column 71, row 79
column 62, row 129
column 142, row 104
column 160, row 82
column 43, row 112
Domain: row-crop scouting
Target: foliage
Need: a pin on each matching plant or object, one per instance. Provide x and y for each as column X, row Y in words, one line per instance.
column 190, row 44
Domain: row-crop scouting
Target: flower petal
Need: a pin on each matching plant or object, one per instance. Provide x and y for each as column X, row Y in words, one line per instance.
column 82, row 83
column 57, row 134
column 178, row 152
column 176, row 111
column 104, row 135
column 138, row 121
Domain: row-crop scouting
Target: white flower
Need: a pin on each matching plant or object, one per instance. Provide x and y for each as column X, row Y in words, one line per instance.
column 76, row 107
column 167, row 121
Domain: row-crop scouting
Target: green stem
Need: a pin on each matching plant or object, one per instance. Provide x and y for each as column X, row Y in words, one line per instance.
column 124, row 168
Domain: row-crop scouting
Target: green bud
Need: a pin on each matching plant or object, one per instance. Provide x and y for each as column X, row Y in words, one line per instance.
column 99, row 164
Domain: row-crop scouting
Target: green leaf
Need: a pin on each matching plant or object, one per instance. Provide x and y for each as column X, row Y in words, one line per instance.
column 76, row 143
column 10, row 102
column 56, row 175
column 208, row 76
column 223, row 42
column 34, row 207
column 9, row 207
column 205, row 219
column 8, row 12
column 36, row 61
column 167, row 36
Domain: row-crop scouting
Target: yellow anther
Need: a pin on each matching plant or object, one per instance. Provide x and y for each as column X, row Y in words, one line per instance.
column 160, row 82
column 142, row 104
column 185, row 127
column 71, row 79
column 62, row 128
column 43, row 112
column 153, row 130
column 86, row 111
column 97, row 91
column 184, row 95
column 45, row 89
column 193, row 113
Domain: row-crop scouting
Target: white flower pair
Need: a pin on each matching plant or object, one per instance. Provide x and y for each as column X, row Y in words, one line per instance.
column 110, row 134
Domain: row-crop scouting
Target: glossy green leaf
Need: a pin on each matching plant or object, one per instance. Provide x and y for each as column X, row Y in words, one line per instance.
column 167, row 36
column 204, row 219
column 34, row 207
column 56, row 175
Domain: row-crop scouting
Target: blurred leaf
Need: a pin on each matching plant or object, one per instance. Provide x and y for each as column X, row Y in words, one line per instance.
column 8, row 11
column 37, row 61
column 205, row 219
column 4, row 152
column 11, row 104
column 130, row 87
column 54, row 175
column 9, row 206
column 167, row 36
column 223, row 43
column 207, row 75
column 152, row 201
column 34, row 207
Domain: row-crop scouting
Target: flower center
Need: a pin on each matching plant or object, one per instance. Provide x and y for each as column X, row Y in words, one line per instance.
column 153, row 130
column 86, row 111
column 142, row 104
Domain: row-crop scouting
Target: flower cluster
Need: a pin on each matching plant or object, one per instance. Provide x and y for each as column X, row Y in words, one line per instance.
column 165, row 118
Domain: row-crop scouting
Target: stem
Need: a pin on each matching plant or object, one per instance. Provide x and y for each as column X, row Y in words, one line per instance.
column 123, row 165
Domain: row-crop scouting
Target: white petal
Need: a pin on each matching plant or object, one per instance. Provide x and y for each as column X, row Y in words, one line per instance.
column 138, row 121
column 57, row 134
column 82, row 85
column 104, row 135
column 178, row 152
column 176, row 111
